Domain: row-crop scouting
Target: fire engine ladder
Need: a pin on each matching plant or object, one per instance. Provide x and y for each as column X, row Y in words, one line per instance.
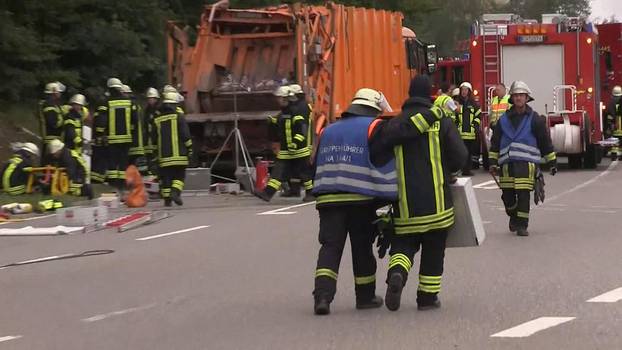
column 491, row 49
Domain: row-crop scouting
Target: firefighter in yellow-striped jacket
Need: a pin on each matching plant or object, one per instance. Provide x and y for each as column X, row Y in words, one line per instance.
column 428, row 154
column 294, row 151
column 174, row 148
column 51, row 117
column 14, row 173
column 74, row 119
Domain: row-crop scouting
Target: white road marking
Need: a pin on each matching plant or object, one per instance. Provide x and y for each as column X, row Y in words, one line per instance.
column 486, row 222
column 9, row 337
column 610, row 297
column 282, row 211
column 12, row 221
column 117, row 313
column 586, row 183
column 529, row 328
column 172, row 233
column 598, row 211
column 488, row 185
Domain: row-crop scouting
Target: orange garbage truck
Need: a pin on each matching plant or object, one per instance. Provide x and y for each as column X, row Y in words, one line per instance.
column 240, row 56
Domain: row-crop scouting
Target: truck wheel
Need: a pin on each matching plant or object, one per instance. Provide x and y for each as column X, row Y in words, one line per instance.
column 590, row 157
column 574, row 161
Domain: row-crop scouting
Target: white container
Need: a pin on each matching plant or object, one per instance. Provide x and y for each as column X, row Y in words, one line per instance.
column 468, row 230
column 82, row 216
column 110, row 202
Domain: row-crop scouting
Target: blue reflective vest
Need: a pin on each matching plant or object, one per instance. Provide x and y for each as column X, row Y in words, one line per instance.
column 518, row 145
column 344, row 166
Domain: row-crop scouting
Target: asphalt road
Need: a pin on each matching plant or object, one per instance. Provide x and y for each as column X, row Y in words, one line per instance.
column 228, row 278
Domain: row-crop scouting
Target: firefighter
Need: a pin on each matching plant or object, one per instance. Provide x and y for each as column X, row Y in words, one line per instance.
column 500, row 103
column 74, row 119
column 294, row 150
column 174, row 148
column 299, row 102
column 614, row 120
column 149, row 111
column 347, row 186
column 114, row 125
column 519, row 141
column 75, row 167
column 51, row 116
column 429, row 153
column 445, row 102
column 14, row 173
column 137, row 148
column 469, row 124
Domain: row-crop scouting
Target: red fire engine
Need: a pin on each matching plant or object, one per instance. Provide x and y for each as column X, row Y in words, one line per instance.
column 453, row 71
column 610, row 50
column 558, row 59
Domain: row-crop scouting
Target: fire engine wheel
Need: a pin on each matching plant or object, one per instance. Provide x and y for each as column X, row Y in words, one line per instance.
column 574, row 161
column 591, row 155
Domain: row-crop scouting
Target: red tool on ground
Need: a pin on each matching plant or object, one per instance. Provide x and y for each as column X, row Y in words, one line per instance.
column 129, row 221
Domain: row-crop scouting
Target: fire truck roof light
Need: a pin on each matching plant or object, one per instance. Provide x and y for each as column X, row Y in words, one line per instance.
column 589, row 40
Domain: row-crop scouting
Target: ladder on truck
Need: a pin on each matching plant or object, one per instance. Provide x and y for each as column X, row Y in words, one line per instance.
column 491, row 49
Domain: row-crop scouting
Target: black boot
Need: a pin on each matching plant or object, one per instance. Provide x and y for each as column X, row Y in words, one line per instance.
column 374, row 303
column 168, row 202
column 263, row 196
column 322, row 306
column 522, row 231
column 309, row 197
column 176, row 196
column 87, row 191
column 435, row 304
column 512, row 225
column 394, row 291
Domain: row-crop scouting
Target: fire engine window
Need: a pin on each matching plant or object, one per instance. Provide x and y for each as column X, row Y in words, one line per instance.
column 608, row 62
column 458, row 77
column 411, row 54
column 443, row 74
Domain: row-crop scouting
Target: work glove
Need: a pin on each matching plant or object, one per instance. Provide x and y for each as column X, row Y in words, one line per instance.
column 385, row 232
column 553, row 170
column 493, row 170
column 538, row 189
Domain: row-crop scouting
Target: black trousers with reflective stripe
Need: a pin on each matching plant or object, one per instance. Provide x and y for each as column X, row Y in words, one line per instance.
column 118, row 161
column 171, row 177
column 432, row 246
column 473, row 147
column 99, row 163
column 517, row 205
column 336, row 223
column 284, row 169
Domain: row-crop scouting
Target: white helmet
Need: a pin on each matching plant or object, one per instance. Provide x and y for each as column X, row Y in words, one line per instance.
column 180, row 98
column 30, row 148
column 78, row 99
column 169, row 97
column 296, row 89
column 467, row 85
column 152, row 93
column 61, row 86
column 283, row 91
column 520, row 87
column 455, row 92
column 617, row 91
column 55, row 146
column 126, row 89
column 114, row 83
column 52, row 88
column 168, row 88
column 368, row 97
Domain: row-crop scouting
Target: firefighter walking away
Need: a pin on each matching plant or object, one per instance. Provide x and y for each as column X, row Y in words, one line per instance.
column 348, row 187
column 428, row 154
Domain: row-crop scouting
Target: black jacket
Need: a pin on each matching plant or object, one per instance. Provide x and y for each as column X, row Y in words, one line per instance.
column 428, row 151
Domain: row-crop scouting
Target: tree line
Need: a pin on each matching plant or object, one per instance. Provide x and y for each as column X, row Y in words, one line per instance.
column 83, row 42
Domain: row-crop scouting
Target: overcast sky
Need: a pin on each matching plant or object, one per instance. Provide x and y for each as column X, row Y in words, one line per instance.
column 605, row 8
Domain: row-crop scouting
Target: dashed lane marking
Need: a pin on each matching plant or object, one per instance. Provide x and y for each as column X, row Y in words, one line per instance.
column 610, row 297
column 117, row 313
column 530, row 328
column 172, row 233
column 284, row 211
column 586, row 183
column 9, row 337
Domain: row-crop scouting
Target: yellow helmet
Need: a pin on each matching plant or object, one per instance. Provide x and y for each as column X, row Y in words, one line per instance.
column 169, row 97
column 78, row 99
column 152, row 93
column 55, row 146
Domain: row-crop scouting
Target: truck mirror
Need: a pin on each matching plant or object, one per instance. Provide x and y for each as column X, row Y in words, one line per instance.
column 431, row 57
